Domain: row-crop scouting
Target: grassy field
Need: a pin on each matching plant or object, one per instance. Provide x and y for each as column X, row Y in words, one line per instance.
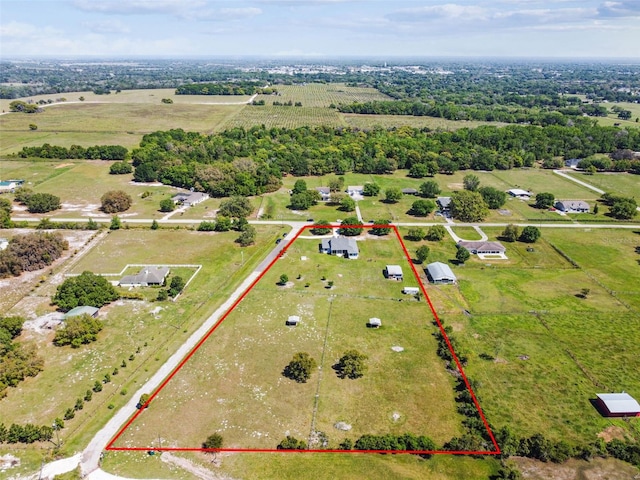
column 550, row 346
column 612, row 118
column 141, row 333
column 239, row 370
column 390, row 121
column 619, row 183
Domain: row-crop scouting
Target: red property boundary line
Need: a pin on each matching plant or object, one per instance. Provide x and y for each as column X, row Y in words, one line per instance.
column 110, row 446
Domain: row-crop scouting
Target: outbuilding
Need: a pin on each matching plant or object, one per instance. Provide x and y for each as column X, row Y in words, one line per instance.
column 519, row 193
column 617, row 405
column 411, row 290
column 393, row 272
column 374, row 323
column 293, row 320
column 409, row 191
column 81, row 310
column 440, row 273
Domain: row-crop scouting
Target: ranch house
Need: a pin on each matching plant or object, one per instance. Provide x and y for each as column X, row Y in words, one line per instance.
column 147, row 277
column 341, row 246
column 325, row 193
column 190, row 199
column 483, row 248
column 572, row 206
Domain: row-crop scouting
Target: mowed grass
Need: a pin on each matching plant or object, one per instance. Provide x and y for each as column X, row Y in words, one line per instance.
column 121, row 123
column 141, row 333
column 234, row 384
column 323, row 94
column 625, row 184
column 390, row 121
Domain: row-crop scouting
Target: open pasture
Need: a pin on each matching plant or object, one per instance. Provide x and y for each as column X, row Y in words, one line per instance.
column 363, row 121
column 322, row 94
column 141, row 333
column 234, row 384
column 625, row 184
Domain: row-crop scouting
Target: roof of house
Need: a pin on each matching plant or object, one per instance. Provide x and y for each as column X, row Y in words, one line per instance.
column 483, row 246
column 573, row 204
column 394, row 270
column 444, row 201
column 518, row 192
column 340, row 244
column 189, row 197
column 619, row 402
column 323, row 189
column 410, row 191
column 81, row 310
column 440, row 271
column 148, row 275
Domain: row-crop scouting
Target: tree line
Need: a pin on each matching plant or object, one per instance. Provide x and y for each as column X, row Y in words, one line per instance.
column 29, row 252
column 96, row 152
column 235, row 88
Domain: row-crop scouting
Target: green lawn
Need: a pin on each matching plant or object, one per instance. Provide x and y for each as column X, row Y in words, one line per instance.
column 619, row 183
column 407, row 391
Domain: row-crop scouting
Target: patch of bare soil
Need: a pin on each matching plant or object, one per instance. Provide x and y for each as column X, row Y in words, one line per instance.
column 612, row 432
column 62, row 165
column 455, row 186
column 195, row 469
column 8, row 461
column 597, row 469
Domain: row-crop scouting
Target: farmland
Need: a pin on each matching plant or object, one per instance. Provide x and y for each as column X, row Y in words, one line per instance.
column 383, row 401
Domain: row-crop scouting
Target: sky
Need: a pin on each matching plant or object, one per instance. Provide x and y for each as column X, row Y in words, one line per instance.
column 578, row 29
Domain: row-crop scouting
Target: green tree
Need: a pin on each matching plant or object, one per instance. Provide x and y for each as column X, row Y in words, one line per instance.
column 422, row 252
column 351, row 365
column 97, row 386
column 623, row 208
column 33, row 126
column 223, row 224
column 429, row 189
column 116, row 224
column 283, row 279
column 142, row 402
column 300, row 367
column 415, row 234
column 422, row 208
column 176, row 286
column 12, row 325
column 510, row 233
column 544, row 200
column 336, row 184
column 5, row 213
column 347, row 204
column 155, row 225
column 435, row 233
column 350, row 227
column 22, row 194
column 471, row 182
column 530, row 234
column 213, row 442
column 247, row 237
column 78, row 330
column 167, row 205
column 115, row 201
column 381, row 230
column 85, row 289
column 301, row 200
column 292, row 443
column 92, row 225
column 236, row 206
column 299, row 187
column 392, row 195
column 42, row 203
column 163, row 295
column 370, row 189
column 462, row 254
column 120, row 168
column 468, row 206
column 316, row 230
column 493, row 197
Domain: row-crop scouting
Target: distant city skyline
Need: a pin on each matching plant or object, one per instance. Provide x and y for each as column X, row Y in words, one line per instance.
column 566, row 29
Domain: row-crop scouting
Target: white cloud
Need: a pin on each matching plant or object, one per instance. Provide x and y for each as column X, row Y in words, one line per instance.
column 174, row 7
column 435, row 12
column 107, row 26
column 19, row 31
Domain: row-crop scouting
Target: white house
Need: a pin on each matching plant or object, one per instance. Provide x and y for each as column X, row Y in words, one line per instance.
column 355, row 190
column 393, row 272
column 325, row 193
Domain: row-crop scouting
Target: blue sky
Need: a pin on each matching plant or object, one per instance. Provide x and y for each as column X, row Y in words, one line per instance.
column 315, row 28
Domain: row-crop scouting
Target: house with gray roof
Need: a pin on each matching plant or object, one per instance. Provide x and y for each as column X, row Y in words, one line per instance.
column 572, row 206
column 393, row 272
column 342, row 246
column 409, row 191
column 444, row 203
column 189, row 199
column 148, row 276
column 325, row 193
column 483, row 248
column 617, row 405
column 440, row 273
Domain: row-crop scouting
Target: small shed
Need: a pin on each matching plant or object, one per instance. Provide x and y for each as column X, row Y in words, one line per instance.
column 374, row 323
column 411, row 290
column 393, row 272
column 409, row 191
column 617, row 405
column 81, row 310
column 519, row 193
column 293, row 320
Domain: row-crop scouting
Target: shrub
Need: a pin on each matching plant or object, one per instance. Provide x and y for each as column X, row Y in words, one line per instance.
column 42, row 203
column 78, row 330
column 120, row 168
column 115, row 201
